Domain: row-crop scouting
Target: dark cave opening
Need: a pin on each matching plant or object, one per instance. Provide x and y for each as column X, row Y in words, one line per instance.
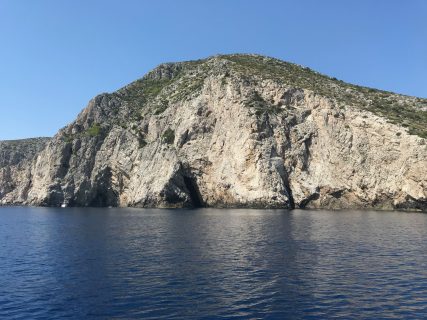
column 104, row 194
column 290, row 196
column 194, row 193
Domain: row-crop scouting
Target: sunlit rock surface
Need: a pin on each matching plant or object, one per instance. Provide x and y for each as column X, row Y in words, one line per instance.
column 230, row 131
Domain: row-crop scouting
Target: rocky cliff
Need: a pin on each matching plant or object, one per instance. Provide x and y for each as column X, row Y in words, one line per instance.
column 231, row 131
column 16, row 157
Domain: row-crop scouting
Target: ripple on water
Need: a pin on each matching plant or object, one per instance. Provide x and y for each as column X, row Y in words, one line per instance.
column 204, row 264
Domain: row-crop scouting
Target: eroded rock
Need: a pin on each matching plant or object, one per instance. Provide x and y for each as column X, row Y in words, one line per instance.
column 222, row 132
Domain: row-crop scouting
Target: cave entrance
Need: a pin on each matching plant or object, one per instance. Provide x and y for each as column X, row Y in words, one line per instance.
column 194, row 193
column 104, row 194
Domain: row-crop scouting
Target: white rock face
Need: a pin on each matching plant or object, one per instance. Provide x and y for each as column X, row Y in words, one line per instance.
column 208, row 133
column 16, row 157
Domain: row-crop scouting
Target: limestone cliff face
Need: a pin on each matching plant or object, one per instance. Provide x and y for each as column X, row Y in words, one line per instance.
column 233, row 131
column 16, row 157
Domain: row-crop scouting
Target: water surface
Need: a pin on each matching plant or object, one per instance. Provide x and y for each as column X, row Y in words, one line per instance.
column 80, row 263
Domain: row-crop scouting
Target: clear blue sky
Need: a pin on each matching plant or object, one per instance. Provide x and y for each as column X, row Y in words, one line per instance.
column 56, row 55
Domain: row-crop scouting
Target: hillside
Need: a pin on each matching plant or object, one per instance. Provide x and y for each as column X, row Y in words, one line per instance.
column 235, row 131
column 16, row 157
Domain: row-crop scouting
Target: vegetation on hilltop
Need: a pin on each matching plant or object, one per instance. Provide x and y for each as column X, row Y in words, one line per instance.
column 174, row 82
column 410, row 112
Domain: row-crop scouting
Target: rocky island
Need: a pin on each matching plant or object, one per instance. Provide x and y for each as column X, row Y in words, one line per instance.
column 229, row 131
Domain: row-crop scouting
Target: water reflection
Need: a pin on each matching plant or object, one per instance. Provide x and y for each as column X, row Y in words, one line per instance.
column 131, row 263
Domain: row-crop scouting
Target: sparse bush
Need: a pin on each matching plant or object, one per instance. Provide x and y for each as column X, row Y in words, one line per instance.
column 93, row 130
column 141, row 141
column 162, row 107
column 68, row 138
column 168, row 136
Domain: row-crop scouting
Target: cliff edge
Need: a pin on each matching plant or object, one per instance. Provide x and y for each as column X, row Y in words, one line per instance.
column 231, row 131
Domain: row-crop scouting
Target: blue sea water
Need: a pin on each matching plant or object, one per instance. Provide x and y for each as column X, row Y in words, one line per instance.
column 85, row 263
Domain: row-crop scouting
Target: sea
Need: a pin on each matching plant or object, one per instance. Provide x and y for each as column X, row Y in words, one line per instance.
column 120, row 263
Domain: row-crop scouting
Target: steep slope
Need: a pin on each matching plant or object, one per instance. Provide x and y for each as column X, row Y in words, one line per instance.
column 16, row 157
column 237, row 130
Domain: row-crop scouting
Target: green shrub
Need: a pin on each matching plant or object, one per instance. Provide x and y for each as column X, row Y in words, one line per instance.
column 141, row 141
column 168, row 136
column 68, row 138
column 162, row 107
column 93, row 131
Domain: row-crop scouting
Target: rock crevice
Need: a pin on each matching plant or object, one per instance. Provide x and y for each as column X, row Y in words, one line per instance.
column 229, row 131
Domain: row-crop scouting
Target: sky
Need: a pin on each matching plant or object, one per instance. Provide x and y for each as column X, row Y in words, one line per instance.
column 56, row 55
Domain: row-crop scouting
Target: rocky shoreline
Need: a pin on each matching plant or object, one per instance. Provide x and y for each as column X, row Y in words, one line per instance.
column 229, row 131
